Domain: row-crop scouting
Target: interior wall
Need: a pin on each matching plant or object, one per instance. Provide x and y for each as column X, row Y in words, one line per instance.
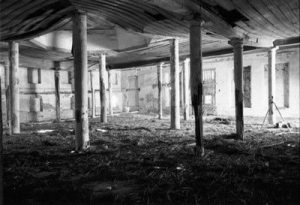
column 37, row 99
column 37, row 92
column 223, row 65
column 147, row 88
column 259, row 82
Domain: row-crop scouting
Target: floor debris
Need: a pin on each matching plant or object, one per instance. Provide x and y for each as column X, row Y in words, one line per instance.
column 129, row 164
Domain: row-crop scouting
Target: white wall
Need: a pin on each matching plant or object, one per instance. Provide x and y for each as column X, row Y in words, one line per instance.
column 46, row 91
column 259, row 94
column 223, row 64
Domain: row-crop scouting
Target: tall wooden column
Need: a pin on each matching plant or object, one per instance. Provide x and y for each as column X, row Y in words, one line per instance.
column 81, row 78
column 72, row 81
column 181, row 89
column 196, row 83
column 92, row 94
column 237, row 44
column 271, row 83
column 14, row 86
column 110, row 109
column 102, row 69
column 57, row 89
column 159, row 88
column 186, row 93
column 175, row 96
column 1, row 152
column 7, row 97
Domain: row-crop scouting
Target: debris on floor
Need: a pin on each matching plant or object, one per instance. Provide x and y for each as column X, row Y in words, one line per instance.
column 139, row 160
column 283, row 125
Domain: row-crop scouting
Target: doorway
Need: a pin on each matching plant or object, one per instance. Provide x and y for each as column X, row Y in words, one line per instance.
column 209, row 92
column 132, row 93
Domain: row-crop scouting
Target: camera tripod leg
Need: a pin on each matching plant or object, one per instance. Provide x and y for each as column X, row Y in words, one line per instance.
column 265, row 119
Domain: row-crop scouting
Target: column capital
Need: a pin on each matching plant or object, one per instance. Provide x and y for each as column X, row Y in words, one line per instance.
column 79, row 12
column 102, row 57
column 171, row 40
column 103, row 54
column 187, row 60
column 196, row 21
column 160, row 64
column 273, row 49
column 108, row 68
column 56, row 65
column 236, row 42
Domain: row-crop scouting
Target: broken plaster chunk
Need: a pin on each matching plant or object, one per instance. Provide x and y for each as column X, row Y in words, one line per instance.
column 44, row 174
column 141, row 142
column 283, row 124
column 95, row 148
column 180, row 167
column 101, row 130
column 191, row 144
column 44, row 131
column 110, row 191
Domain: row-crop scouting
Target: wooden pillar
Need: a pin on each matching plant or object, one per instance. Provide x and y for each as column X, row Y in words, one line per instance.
column 175, row 96
column 72, row 81
column 57, row 89
column 14, row 86
column 92, row 94
column 1, row 151
column 181, row 89
column 159, row 88
column 81, row 78
column 271, row 84
column 237, row 44
column 109, row 92
column 7, row 97
column 102, row 69
column 196, row 83
column 186, row 93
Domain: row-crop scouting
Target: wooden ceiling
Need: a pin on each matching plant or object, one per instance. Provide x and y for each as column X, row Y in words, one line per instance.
column 259, row 22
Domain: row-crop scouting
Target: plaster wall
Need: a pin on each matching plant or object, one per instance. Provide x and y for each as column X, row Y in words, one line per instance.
column 147, row 88
column 38, row 101
column 259, row 82
column 225, row 105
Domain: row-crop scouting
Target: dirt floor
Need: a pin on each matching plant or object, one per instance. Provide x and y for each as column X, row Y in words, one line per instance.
column 136, row 159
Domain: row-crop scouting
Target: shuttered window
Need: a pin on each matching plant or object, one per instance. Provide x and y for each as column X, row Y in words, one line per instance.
column 34, row 75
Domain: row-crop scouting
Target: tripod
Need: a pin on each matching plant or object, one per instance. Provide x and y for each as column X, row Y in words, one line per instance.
column 269, row 112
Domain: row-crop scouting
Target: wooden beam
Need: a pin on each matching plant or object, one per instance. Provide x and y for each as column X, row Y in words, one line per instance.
column 139, row 63
column 271, row 84
column 93, row 94
column 196, row 83
column 109, row 92
column 165, row 59
column 57, row 90
column 58, row 24
column 81, row 77
column 186, row 93
column 237, row 44
column 14, row 86
column 102, row 70
column 219, row 24
column 288, row 41
column 174, row 72
column 159, row 87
